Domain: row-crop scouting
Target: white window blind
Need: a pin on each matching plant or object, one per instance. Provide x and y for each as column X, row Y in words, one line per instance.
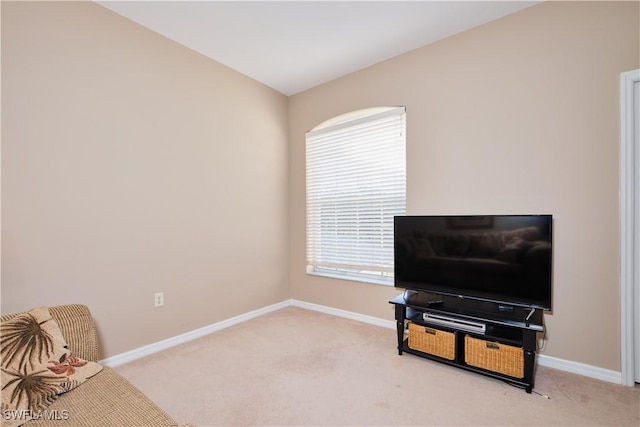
column 356, row 183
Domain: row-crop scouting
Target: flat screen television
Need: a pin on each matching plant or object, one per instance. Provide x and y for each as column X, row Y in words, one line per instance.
column 504, row 259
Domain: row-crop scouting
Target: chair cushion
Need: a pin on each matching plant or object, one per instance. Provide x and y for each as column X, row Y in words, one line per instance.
column 106, row 400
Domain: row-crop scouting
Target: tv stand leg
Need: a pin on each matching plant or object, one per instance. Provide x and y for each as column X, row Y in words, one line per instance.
column 400, row 316
column 400, row 330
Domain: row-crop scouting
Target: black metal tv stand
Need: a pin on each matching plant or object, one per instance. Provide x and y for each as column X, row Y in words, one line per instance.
column 477, row 336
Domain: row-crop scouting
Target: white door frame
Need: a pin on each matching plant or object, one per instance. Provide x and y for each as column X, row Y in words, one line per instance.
column 629, row 227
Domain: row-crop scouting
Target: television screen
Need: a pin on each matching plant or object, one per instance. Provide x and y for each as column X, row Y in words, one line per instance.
column 504, row 259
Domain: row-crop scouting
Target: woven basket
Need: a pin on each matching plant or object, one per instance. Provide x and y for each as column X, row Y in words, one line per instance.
column 432, row 341
column 505, row 359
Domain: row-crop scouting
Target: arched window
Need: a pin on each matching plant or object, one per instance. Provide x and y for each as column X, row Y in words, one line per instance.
column 356, row 184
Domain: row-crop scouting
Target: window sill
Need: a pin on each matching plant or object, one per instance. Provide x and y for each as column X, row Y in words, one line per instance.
column 385, row 281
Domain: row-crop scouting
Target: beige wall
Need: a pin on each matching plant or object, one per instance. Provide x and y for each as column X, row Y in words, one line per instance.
column 516, row 116
column 132, row 165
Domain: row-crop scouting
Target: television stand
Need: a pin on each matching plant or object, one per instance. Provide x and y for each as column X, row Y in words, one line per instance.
column 470, row 335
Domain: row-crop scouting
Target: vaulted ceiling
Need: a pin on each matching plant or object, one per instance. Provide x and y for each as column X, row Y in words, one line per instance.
column 292, row 46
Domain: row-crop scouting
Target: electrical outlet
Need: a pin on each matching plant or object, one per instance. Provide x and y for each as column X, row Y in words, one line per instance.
column 158, row 299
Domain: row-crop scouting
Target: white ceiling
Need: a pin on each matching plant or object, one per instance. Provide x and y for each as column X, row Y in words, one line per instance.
column 292, row 46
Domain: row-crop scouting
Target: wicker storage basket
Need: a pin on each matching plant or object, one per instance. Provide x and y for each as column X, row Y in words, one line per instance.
column 432, row 341
column 493, row 356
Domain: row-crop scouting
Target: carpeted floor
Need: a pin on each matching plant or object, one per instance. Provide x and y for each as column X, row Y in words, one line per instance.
column 299, row 367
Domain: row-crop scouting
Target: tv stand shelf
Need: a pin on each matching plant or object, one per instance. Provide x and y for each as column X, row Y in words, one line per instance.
column 504, row 349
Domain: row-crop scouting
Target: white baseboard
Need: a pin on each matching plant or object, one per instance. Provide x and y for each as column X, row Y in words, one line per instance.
column 580, row 369
column 146, row 350
column 543, row 360
column 390, row 324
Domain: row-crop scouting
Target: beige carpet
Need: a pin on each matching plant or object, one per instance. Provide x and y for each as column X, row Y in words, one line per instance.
column 299, row 367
